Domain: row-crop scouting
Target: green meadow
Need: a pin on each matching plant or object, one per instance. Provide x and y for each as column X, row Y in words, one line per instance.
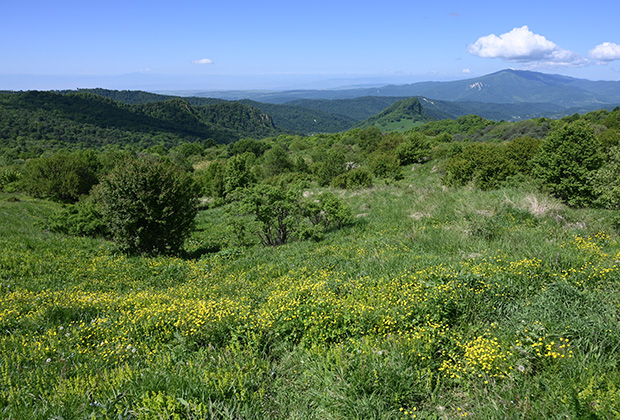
column 435, row 303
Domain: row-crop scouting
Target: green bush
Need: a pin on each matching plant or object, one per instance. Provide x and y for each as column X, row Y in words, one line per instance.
column 214, row 184
column 566, row 161
column 328, row 166
column 281, row 214
column 64, row 176
column 485, row 164
column 415, row 149
column 9, row 178
column 490, row 165
column 148, row 205
column 238, row 173
column 606, row 181
column 79, row 219
column 355, row 178
column 276, row 212
column 276, row 161
column 385, row 165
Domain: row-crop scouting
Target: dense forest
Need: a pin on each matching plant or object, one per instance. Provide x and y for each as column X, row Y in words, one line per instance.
column 34, row 122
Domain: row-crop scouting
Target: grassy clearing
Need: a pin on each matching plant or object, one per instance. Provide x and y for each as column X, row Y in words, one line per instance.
column 437, row 303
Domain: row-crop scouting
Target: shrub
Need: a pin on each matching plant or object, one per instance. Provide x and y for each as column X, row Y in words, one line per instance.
column 281, row 214
column 9, row 179
column 79, row 219
column 63, row 176
column 276, row 161
column 213, row 179
column 606, row 181
column 238, row 173
column 385, row 165
column 415, row 149
column 275, row 210
column 565, row 162
column 148, row 205
column 486, row 164
column 329, row 166
column 355, row 178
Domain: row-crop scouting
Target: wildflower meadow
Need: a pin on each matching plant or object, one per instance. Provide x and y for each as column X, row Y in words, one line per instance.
column 435, row 303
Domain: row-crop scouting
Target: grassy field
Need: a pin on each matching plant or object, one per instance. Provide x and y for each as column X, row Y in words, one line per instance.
column 435, row 304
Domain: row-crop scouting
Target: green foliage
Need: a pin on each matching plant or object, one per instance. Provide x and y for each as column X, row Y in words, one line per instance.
column 521, row 151
column 148, row 205
column 353, row 179
column 565, row 163
column 606, row 181
column 281, row 214
column 328, row 166
column 276, row 211
column 248, row 145
column 463, row 126
column 214, row 179
column 277, row 161
column 238, row 173
column 489, row 165
column 32, row 122
column 414, row 149
column 609, row 138
column 9, row 179
column 64, row 176
column 79, row 219
column 385, row 165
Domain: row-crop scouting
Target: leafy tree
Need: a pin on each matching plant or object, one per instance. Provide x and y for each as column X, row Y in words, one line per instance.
column 148, row 205
column 275, row 210
column 566, row 161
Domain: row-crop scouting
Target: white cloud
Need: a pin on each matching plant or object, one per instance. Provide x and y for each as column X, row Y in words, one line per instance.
column 523, row 46
column 203, row 61
column 466, row 71
column 607, row 51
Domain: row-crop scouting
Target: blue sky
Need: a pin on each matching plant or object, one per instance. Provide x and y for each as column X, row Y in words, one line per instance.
column 285, row 44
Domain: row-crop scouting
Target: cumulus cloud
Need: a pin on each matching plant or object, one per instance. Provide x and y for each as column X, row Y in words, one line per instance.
column 466, row 71
column 607, row 51
column 523, row 46
column 203, row 61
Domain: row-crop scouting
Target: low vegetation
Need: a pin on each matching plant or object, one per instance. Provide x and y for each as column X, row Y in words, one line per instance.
column 363, row 274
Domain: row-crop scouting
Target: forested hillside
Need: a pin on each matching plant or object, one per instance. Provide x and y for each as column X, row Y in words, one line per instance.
column 32, row 122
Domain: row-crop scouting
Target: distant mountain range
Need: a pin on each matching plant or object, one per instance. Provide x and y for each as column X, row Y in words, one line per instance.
column 504, row 87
